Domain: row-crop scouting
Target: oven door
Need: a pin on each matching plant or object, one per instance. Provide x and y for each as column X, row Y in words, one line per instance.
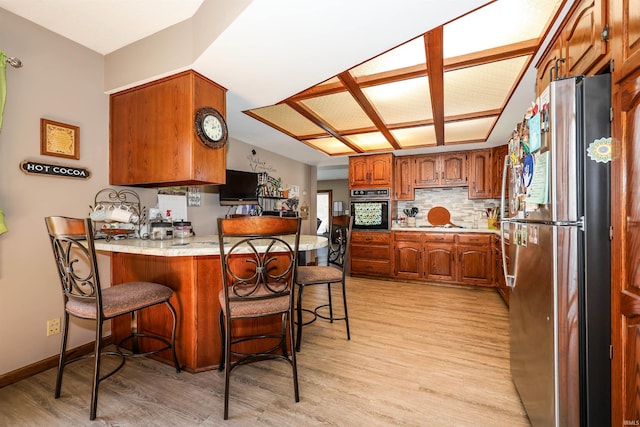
column 370, row 214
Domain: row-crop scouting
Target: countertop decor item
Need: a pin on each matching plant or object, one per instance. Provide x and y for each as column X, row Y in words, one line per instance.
column 439, row 216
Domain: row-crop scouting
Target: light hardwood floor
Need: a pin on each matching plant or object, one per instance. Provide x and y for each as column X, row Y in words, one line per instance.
column 419, row 355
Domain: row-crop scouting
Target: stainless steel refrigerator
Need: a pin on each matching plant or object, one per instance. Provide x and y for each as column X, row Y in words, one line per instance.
column 558, row 223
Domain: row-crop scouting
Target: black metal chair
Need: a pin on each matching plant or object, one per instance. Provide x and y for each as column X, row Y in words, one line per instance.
column 333, row 273
column 258, row 256
column 72, row 241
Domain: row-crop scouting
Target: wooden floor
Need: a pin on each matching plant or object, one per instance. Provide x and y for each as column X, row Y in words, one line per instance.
column 419, row 355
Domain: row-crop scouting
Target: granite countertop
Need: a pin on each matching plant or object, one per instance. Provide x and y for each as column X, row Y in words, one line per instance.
column 191, row 246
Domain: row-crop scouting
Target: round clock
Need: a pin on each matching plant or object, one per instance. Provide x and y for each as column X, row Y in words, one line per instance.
column 211, row 127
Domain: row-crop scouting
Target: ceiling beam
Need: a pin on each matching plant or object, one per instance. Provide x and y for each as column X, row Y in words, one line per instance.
column 435, row 72
column 514, row 50
column 355, row 91
column 311, row 116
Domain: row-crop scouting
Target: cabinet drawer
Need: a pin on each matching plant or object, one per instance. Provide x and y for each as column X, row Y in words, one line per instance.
column 371, row 237
column 378, row 268
column 408, row 236
column 474, row 239
column 370, row 252
column 439, row 237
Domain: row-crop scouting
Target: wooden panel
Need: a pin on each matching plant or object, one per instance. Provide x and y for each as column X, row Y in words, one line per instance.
column 626, row 30
column 626, row 254
column 406, row 260
column 426, row 171
column 475, row 265
column 439, row 262
column 454, row 170
column 152, row 136
column 475, row 239
column 358, row 171
column 370, row 252
column 408, row 236
column 381, row 170
column 583, row 46
column 370, row 267
column 439, row 237
column 403, row 178
column 370, row 237
column 480, row 174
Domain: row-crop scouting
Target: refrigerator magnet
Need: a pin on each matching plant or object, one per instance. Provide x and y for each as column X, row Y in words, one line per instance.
column 600, row 150
column 527, row 170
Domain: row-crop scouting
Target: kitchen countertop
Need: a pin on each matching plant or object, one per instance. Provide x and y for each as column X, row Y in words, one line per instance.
column 445, row 229
column 191, row 246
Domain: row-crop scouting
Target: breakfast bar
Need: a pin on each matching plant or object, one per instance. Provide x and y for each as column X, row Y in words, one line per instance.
column 191, row 267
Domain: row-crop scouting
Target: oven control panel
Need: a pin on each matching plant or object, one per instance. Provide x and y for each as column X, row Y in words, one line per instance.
column 371, row 193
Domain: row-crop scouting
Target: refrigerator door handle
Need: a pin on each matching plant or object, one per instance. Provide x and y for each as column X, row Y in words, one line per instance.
column 510, row 279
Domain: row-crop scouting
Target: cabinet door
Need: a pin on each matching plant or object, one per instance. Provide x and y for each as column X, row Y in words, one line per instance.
column 358, row 171
column 626, row 41
column 583, row 44
column 480, row 174
column 440, row 262
column 380, row 170
column 475, row 265
column 454, row 169
column 551, row 66
column 497, row 170
column 625, row 256
column 426, row 171
column 403, row 181
column 407, row 256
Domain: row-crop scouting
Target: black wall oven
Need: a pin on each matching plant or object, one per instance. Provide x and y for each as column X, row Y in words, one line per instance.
column 370, row 208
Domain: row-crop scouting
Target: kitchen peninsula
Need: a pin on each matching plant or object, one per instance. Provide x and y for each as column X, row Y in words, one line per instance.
column 191, row 267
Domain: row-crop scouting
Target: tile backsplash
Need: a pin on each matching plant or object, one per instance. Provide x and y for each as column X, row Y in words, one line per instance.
column 464, row 212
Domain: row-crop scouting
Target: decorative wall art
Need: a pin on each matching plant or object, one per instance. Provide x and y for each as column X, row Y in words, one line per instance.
column 59, row 139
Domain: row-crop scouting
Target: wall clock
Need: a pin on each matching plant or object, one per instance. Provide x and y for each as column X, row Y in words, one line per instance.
column 211, row 127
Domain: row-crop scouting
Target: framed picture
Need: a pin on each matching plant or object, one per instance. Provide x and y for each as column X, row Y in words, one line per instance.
column 59, row 139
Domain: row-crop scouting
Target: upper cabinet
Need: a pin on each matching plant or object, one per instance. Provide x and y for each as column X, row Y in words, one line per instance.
column 403, row 178
column 497, row 170
column 581, row 47
column 440, row 170
column 153, row 142
column 480, row 173
column 374, row 170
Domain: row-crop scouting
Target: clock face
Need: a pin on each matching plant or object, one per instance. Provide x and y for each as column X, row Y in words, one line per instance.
column 211, row 127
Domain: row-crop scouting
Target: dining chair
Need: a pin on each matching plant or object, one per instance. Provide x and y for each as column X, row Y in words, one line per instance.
column 334, row 273
column 258, row 256
column 72, row 241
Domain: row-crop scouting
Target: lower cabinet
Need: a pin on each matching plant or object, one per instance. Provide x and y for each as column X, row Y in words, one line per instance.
column 370, row 253
column 457, row 258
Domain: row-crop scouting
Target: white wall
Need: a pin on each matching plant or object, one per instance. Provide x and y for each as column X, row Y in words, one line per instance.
column 64, row 82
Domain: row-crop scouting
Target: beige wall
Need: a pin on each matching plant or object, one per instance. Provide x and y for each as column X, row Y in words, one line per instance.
column 64, row 82
column 339, row 190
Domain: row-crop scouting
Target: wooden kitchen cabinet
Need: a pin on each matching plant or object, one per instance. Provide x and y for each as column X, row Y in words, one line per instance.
column 497, row 169
column 440, row 170
column 585, row 38
column 475, row 260
column 407, row 255
column 403, row 178
column 152, row 140
column 370, row 253
column 372, row 171
column 440, row 257
column 480, row 173
column 581, row 47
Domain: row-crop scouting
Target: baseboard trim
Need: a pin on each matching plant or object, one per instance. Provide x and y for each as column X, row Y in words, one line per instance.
column 48, row 363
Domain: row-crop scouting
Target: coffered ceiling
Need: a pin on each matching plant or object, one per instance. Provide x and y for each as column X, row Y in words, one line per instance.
column 447, row 86
column 315, row 81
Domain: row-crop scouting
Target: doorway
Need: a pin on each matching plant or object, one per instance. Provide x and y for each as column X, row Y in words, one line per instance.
column 323, row 210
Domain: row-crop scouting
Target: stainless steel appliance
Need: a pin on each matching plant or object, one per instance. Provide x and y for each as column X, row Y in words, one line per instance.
column 370, row 208
column 559, row 224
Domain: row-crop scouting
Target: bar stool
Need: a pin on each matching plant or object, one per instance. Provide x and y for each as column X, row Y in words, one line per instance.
column 74, row 252
column 332, row 274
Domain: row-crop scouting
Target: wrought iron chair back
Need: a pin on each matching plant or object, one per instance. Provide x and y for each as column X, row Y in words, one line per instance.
column 258, row 257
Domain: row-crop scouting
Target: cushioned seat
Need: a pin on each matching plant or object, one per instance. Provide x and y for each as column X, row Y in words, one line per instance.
column 258, row 271
column 75, row 256
column 331, row 274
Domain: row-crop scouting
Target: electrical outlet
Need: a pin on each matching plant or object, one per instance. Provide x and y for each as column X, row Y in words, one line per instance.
column 53, row 326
